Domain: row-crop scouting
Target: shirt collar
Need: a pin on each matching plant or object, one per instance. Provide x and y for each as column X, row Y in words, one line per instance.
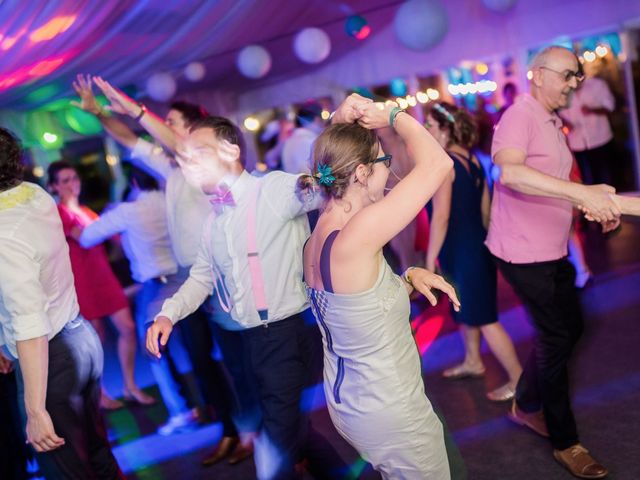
column 540, row 112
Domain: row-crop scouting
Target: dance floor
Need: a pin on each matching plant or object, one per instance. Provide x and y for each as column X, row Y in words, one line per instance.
column 605, row 378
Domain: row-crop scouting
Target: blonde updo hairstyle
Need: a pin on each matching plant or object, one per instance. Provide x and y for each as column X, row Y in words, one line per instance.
column 343, row 147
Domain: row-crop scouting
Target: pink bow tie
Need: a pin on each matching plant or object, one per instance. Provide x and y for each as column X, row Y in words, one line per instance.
column 223, row 200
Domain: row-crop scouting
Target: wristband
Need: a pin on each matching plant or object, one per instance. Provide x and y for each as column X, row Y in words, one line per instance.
column 405, row 275
column 394, row 113
column 143, row 110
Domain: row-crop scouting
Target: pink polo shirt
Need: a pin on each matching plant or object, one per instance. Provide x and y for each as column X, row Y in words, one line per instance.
column 526, row 228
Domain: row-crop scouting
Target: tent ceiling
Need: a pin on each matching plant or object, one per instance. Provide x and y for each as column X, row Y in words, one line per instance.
column 45, row 43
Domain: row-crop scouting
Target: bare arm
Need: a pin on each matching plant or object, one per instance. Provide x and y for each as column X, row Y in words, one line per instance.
column 375, row 225
column 515, row 174
column 485, row 206
column 114, row 127
column 628, row 205
column 33, row 355
column 439, row 221
column 153, row 124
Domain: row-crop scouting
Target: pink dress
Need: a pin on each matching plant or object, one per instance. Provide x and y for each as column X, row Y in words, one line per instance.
column 99, row 292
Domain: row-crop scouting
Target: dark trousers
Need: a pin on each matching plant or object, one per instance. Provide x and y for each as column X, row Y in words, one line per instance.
column 73, row 398
column 597, row 164
column 548, row 293
column 210, row 374
column 13, row 451
column 272, row 365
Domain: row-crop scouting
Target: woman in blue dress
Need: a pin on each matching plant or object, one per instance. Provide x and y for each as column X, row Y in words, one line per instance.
column 458, row 229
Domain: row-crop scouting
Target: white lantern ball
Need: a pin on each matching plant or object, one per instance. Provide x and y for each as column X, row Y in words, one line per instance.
column 312, row 45
column 254, row 61
column 499, row 5
column 421, row 24
column 161, row 86
column 195, row 71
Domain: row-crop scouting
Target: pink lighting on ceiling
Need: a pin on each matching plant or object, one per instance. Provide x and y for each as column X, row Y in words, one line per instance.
column 33, row 71
column 8, row 42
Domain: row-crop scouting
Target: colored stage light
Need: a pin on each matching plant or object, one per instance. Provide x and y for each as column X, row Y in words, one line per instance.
column 50, row 137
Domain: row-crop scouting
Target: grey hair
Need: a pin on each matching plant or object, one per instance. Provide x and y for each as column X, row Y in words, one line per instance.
column 541, row 58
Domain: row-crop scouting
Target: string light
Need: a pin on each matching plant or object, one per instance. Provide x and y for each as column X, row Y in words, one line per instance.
column 601, row 51
column 252, row 124
column 589, row 56
column 422, row 97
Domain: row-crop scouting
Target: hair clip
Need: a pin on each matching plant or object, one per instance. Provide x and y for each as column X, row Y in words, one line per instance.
column 324, row 175
column 446, row 113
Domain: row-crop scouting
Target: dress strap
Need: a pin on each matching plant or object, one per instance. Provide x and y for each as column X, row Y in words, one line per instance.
column 325, row 261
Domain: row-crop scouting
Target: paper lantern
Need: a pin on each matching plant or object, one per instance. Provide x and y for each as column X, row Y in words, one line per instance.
column 312, row 45
column 161, row 86
column 356, row 26
column 421, row 24
column 254, row 61
column 82, row 122
column 499, row 5
column 195, row 71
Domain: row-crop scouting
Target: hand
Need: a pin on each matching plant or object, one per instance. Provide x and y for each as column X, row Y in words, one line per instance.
column 88, row 102
column 40, row 432
column 306, row 188
column 610, row 226
column 161, row 328
column 374, row 115
column 119, row 102
column 6, row 365
column 597, row 203
column 424, row 280
column 346, row 112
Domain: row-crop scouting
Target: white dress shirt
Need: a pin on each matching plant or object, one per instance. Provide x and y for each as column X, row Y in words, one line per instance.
column 187, row 207
column 282, row 228
column 589, row 130
column 296, row 154
column 145, row 238
column 37, row 294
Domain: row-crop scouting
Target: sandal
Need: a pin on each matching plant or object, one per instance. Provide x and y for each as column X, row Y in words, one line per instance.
column 463, row 371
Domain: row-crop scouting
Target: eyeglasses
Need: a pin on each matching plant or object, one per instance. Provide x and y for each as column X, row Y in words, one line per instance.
column 567, row 75
column 386, row 159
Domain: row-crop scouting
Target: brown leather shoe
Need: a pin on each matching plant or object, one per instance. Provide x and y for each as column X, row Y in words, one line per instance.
column 535, row 421
column 240, row 453
column 577, row 460
column 222, row 450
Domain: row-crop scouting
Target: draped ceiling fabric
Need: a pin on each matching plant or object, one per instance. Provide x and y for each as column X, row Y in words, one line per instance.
column 44, row 43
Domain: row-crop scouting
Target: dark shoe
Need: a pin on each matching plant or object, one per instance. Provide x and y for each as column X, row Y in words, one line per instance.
column 223, row 449
column 579, row 462
column 535, row 421
column 240, row 453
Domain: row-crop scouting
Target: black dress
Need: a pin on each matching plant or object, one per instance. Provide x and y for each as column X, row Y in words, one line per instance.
column 465, row 261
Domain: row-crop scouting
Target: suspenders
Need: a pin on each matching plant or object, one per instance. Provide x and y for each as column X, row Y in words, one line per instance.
column 253, row 257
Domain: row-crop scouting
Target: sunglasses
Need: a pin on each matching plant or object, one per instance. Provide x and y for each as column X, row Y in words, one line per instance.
column 386, row 159
column 567, row 75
